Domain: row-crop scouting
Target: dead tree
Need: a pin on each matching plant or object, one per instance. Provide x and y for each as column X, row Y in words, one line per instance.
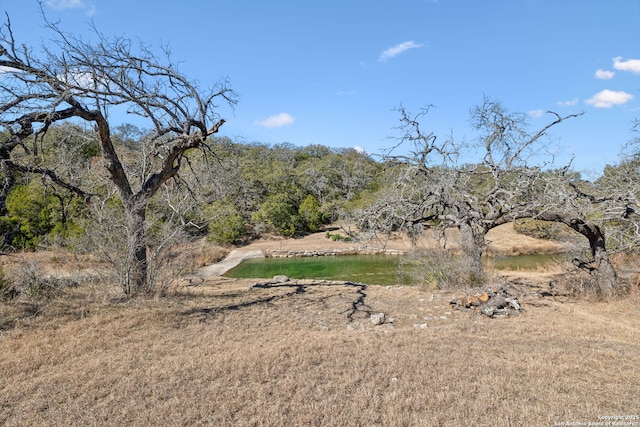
column 77, row 80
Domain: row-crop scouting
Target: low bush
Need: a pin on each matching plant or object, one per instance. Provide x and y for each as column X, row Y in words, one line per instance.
column 226, row 225
column 441, row 269
column 7, row 288
column 336, row 237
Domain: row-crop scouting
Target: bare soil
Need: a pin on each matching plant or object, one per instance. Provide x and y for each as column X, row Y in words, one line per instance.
column 502, row 240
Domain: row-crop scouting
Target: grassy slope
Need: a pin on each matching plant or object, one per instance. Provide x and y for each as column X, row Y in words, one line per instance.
column 220, row 354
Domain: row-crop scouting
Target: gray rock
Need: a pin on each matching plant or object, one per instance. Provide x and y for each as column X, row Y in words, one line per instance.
column 377, row 318
column 280, row 278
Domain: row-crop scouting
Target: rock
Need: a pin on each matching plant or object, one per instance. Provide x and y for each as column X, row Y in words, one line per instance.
column 490, row 303
column 378, row 318
column 469, row 301
column 280, row 278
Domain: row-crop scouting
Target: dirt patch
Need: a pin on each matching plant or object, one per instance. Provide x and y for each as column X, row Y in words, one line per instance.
column 502, row 240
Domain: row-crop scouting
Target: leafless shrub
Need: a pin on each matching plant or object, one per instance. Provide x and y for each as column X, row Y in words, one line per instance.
column 31, row 283
column 441, row 269
column 166, row 263
column 7, row 287
column 112, row 234
column 578, row 283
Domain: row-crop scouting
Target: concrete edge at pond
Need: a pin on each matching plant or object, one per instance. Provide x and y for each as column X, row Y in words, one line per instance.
column 234, row 258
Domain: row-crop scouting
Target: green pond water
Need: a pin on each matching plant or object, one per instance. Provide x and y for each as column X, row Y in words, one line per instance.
column 371, row 269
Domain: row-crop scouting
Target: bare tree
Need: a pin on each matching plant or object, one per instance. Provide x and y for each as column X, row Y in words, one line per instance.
column 476, row 197
column 513, row 178
column 585, row 208
column 610, row 203
column 82, row 81
column 434, row 188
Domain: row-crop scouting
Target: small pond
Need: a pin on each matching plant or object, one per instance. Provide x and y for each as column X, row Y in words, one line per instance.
column 371, row 269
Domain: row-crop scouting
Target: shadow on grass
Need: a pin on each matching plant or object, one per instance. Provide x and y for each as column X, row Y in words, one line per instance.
column 357, row 305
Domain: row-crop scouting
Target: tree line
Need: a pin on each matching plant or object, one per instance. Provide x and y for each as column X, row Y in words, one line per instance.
column 241, row 192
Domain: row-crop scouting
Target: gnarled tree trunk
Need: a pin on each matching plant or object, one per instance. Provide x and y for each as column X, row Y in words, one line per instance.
column 604, row 273
column 600, row 267
column 472, row 243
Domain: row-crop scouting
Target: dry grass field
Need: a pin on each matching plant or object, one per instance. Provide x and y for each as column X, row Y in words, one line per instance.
column 225, row 353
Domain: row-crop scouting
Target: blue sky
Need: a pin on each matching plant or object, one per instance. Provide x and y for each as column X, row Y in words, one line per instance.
column 332, row 72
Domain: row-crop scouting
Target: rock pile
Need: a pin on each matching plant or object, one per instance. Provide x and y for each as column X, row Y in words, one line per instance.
column 290, row 253
column 490, row 303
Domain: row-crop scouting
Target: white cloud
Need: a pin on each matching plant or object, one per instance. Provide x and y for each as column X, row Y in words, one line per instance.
column 632, row 65
column 604, row 74
column 398, row 49
column 4, row 69
column 536, row 113
column 568, row 103
column 609, row 98
column 65, row 4
column 360, row 149
column 81, row 79
column 90, row 9
column 276, row 121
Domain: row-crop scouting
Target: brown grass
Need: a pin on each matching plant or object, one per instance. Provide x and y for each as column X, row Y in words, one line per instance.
column 223, row 354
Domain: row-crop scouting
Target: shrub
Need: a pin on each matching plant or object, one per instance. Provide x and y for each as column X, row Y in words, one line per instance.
column 441, row 269
column 7, row 288
column 335, row 237
column 311, row 214
column 34, row 211
column 280, row 213
column 9, row 229
column 226, row 225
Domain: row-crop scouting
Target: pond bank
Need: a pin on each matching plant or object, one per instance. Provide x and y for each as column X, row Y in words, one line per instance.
column 289, row 253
